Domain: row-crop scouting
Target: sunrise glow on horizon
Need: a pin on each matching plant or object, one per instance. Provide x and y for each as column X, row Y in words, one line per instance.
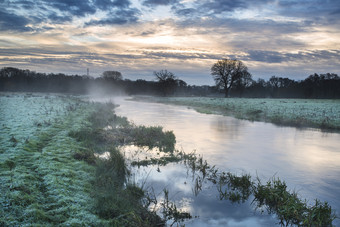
column 136, row 37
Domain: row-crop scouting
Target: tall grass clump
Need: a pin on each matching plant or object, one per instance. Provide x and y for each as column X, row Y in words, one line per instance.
column 273, row 196
column 288, row 207
column 117, row 200
column 154, row 137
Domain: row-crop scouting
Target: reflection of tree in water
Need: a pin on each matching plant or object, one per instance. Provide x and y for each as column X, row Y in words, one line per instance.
column 272, row 196
column 227, row 127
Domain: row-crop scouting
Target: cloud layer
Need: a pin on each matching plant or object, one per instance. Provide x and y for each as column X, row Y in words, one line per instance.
column 285, row 38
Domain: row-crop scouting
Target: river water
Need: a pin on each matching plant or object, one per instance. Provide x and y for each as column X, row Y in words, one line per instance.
column 308, row 160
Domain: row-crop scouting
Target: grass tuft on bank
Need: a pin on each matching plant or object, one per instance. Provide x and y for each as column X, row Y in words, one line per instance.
column 51, row 173
column 41, row 184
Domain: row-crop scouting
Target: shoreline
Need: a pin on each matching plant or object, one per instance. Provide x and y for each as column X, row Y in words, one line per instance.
column 61, row 179
column 321, row 114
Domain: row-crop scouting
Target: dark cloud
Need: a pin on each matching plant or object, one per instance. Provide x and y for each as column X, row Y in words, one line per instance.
column 30, row 52
column 267, row 56
column 44, row 55
column 336, row 11
column 108, row 4
column 280, row 57
column 186, row 12
column 16, row 15
column 180, row 56
column 318, row 11
column 221, row 6
column 155, row 3
column 213, row 8
column 244, row 28
column 72, row 7
column 117, row 17
column 57, row 19
column 11, row 21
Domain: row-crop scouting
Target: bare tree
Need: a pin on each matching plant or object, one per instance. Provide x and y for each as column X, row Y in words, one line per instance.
column 226, row 72
column 113, row 75
column 167, row 81
column 243, row 82
column 164, row 75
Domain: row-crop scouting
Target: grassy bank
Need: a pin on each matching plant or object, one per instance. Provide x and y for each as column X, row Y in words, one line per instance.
column 314, row 113
column 41, row 183
column 52, row 172
column 49, row 172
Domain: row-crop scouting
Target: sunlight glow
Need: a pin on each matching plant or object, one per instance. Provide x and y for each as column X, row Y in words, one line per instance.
column 267, row 28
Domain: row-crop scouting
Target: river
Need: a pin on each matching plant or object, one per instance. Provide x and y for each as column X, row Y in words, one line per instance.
column 308, row 160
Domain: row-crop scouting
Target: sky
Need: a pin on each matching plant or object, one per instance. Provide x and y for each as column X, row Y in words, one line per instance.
column 286, row 38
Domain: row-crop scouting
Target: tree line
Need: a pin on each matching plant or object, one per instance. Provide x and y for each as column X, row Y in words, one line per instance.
column 231, row 77
column 110, row 82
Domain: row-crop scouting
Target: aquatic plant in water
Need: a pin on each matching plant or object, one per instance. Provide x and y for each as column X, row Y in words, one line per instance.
column 51, row 175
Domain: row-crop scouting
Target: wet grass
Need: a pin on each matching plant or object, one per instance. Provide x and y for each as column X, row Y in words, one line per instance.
column 41, row 184
column 274, row 196
column 117, row 199
column 288, row 207
column 154, row 137
column 51, row 176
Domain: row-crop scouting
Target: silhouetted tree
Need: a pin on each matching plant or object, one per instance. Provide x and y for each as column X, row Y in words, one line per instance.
column 315, row 86
column 274, row 85
column 322, row 86
column 243, row 82
column 226, row 72
column 112, row 75
column 167, row 81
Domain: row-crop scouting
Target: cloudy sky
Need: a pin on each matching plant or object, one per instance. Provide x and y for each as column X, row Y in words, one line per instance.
column 289, row 38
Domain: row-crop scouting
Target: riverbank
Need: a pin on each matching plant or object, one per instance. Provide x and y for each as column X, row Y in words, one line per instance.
column 50, row 165
column 41, row 183
column 322, row 114
column 61, row 164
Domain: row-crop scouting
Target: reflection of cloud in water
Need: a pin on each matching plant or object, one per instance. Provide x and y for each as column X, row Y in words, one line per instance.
column 213, row 212
column 226, row 127
column 308, row 160
column 173, row 176
column 209, row 209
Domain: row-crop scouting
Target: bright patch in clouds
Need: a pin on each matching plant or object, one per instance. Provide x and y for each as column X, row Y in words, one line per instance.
column 284, row 38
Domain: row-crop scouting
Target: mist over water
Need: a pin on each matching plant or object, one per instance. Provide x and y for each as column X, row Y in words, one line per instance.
column 308, row 160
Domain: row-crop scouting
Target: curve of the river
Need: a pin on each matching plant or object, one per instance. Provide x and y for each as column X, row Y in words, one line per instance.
column 307, row 160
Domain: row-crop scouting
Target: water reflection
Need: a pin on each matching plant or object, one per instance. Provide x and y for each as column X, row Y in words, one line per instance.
column 226, row 128
column 206, row 206
column 308, row 160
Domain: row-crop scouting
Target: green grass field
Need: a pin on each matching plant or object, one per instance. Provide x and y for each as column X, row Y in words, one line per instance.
column 41, row 184
column 50, row 174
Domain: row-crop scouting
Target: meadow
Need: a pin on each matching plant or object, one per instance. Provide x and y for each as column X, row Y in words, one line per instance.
column 51, row 168
column 41, row 184
column 52, row 172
